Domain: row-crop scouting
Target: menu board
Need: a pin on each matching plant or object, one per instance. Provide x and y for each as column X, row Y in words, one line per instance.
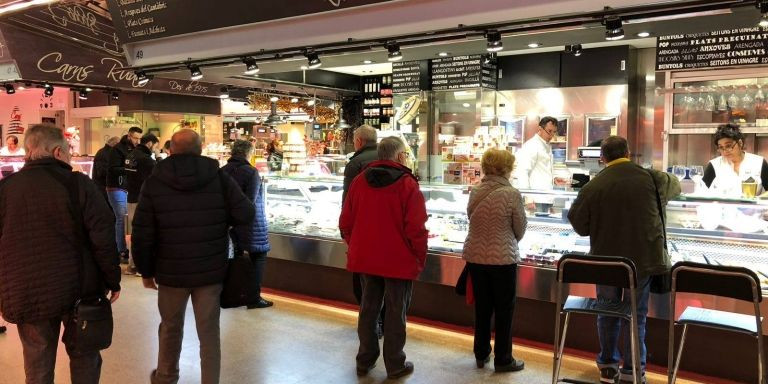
column 461, row 72
column 726, row 48
column 406, row 77
column 141, row 20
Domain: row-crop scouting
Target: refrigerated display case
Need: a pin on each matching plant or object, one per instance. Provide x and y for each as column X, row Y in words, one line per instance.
column 12, row 164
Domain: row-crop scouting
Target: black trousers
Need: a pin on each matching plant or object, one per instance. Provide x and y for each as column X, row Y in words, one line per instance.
column 357, row 289
column 39, row 342
column 495, row 293
column 257, row 274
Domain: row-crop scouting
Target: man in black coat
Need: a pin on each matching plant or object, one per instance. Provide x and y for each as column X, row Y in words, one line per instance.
column 117, row 186
column 180, row 246
column 138, row 167
column 101, row 165
column 41, row 255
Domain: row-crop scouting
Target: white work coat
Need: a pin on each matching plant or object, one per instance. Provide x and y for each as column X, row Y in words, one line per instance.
column 533, row 165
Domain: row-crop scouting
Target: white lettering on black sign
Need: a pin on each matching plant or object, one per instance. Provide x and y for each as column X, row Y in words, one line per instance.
column 726, row 48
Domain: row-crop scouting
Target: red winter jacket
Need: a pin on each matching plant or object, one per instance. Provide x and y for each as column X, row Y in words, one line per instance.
column 382, row 222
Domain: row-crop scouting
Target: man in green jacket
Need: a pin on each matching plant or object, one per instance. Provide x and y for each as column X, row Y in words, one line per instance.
column 618, row 209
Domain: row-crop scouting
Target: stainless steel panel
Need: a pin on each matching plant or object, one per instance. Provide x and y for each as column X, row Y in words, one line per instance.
column 534, row 283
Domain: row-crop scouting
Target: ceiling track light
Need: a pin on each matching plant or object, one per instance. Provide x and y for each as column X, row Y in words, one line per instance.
column 224, row 93
column 762, row 5
column 114, row 95
column 48, row 90
column 489, row 58
column 9, row 89
column 394, row 53
column 195, row 73
column 142, row 77
column 613, row 28
column 251, row 68
column 574, row 49
column 313, row 60
column 494, row 41
column 82, row 94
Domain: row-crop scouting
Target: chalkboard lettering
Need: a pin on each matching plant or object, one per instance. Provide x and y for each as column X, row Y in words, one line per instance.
column 462, row 72
column 725, row 48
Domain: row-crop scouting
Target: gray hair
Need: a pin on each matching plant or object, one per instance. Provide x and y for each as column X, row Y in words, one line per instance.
column 366, row 133
column 42, row 139
column 242, row 148
column 390, row 147
column 186, row 142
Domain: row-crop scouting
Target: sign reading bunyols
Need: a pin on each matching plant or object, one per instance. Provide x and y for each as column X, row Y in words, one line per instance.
column 726, row 48
column 462, row 72
column 140, row 20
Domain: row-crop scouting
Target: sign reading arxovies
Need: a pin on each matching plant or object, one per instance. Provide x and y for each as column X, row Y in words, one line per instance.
column 141, row 20
column 41, row 59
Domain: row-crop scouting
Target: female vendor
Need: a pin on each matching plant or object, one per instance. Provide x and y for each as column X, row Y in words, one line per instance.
column 726, row 172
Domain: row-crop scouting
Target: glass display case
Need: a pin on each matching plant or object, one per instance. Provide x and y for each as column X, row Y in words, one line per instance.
column 723, row 232
column 12, row 164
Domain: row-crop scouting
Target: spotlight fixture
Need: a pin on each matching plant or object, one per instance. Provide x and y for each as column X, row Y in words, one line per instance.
column 224, row 93
column 394, row 52
column 9, row 89
column 613, row 28
column 82, row 94
column 114, row 96
column 48, row 90
column 274, row 99
column 195, row 73
column 489, row 58
column 574, row 49
column 142, row 77
column 494, row 41
column 294, row 100
column 251, row 68
column 313, row 60
column 534, row 45
column 643, row 34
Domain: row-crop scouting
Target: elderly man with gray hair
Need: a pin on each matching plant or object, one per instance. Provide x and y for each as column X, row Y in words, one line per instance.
column 383, row 223
column 44, row 265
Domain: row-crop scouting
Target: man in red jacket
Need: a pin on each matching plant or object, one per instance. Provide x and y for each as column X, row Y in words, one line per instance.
column 382, row 222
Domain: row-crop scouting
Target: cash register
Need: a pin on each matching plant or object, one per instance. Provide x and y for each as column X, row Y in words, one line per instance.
column 589, row 158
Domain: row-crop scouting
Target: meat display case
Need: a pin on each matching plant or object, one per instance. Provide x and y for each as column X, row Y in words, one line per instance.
column 303, row 220
column 12, row 164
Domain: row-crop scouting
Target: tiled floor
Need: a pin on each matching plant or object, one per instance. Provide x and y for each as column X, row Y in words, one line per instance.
column 293, row 342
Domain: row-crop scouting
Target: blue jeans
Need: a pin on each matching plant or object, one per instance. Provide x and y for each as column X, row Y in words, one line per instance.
column 609, row 329
column 118, row 199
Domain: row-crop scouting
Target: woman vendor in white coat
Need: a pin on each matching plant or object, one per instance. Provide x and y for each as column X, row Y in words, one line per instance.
column 726, row 172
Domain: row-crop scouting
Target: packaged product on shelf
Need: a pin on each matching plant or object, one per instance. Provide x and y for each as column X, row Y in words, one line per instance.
column 447, row 153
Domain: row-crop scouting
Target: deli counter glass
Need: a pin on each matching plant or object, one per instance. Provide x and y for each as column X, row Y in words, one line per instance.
column 12, row 164
column 722, row 232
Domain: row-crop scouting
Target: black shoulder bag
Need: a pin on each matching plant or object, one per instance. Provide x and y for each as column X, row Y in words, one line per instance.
column 238, row 280
column 660, row 283
column 90, row 326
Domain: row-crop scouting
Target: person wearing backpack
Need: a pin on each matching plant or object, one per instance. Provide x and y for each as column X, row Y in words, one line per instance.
column 251, row 238
column 138, row 166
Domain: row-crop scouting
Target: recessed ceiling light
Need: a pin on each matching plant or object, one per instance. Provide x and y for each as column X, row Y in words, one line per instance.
column 643, row 34
column 367, row 61
column 443, row 54
column 534, row 45
column 465, row 105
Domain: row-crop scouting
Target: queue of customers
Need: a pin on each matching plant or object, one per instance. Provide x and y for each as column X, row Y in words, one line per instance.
column 188, row 210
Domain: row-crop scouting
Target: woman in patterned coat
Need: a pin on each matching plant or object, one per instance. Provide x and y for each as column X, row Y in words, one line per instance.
column 496, row 224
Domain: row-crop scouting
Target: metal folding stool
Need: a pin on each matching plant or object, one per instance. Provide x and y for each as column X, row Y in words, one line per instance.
column 717, row 280
column 598, row 270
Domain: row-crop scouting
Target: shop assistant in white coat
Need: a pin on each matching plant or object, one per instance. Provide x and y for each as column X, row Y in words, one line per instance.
column 534, row 161
column 726, row 172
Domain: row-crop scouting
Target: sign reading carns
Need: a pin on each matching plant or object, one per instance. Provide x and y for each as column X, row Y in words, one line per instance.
column 727, row 48
column 141, row 20
column 55, row 61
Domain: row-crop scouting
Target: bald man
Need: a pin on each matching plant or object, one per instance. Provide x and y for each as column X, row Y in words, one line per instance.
column 180, row 247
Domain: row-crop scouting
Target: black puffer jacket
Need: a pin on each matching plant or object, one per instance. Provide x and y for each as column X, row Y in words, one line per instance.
column 138, row 167
column 101, row 165
column 180, row 230
column 116, row 172
column 39, row 255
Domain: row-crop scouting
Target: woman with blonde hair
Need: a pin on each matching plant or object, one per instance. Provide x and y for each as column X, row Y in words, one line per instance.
column 496, row 224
